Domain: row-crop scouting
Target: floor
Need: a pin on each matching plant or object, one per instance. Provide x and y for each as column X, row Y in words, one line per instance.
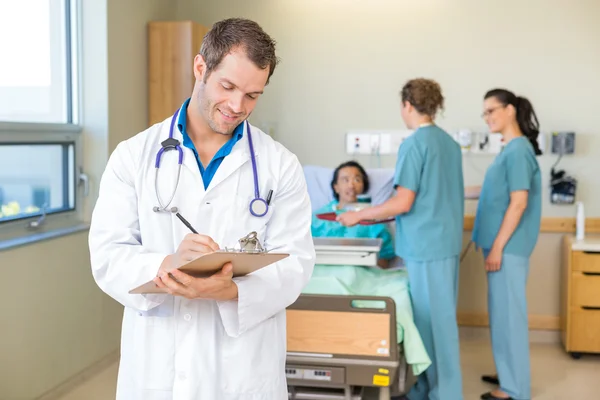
column 555, row 375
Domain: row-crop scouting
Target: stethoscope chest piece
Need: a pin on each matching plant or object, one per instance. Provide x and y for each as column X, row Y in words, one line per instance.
column 258, row 207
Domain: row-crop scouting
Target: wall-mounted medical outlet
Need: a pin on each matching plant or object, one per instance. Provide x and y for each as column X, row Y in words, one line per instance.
column 563, row 142
column 358, row 143
column 375, row 142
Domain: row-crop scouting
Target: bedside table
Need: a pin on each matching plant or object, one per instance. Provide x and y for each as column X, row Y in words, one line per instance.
column 580, row 295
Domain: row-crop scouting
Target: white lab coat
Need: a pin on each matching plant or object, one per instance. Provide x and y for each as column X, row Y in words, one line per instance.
column 174, row 348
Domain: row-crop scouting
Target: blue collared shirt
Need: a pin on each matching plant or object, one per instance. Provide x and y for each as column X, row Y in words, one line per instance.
column 209, row 172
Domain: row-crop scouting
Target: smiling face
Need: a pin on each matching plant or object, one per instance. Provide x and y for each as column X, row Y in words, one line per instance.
column 497, row 116
column 228, row 95
column 349, row 184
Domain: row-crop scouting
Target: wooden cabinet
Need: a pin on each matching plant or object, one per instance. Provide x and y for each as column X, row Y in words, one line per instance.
column 172, row 46
column 580, row 295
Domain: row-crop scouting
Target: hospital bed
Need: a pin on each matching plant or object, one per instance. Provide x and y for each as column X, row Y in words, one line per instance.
column 346, row 339
column 335, row 342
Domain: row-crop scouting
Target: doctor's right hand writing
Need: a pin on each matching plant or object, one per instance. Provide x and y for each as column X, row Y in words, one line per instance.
column 191, row 247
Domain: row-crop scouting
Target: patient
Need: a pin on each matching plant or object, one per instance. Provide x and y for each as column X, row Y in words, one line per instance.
column 349, row 181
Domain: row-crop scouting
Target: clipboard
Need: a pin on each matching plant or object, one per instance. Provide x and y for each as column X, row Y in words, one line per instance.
column 244, row 262
column 331, row 216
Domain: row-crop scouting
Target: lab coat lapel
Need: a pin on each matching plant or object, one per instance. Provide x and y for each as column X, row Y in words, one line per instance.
column 190, row 163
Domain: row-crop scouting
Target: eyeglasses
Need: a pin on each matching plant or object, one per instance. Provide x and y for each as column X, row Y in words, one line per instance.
column 489, row 112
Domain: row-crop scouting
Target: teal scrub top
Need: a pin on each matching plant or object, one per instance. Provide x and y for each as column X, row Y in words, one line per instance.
column 322, row 228
column 211, row 169
column 430, row 164
column 515, row 168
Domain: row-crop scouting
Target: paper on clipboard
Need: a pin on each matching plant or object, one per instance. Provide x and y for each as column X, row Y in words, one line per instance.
column 208, row 264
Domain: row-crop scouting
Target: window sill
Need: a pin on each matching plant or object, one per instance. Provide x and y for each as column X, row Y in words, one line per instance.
column 35, row 237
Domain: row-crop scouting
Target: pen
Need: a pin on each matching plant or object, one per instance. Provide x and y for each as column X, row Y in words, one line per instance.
column 269, row 197
column 190, row 227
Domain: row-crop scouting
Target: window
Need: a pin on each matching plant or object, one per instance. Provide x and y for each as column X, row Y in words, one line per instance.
column 38, row 183
column 39, row 132
column 35, row 83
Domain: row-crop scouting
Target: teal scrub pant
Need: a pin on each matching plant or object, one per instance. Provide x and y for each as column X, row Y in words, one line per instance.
column 433, row 291
column 509, row 329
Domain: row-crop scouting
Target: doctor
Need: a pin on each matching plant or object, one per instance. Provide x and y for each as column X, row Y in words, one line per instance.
column 429, row 211
column 217, row 337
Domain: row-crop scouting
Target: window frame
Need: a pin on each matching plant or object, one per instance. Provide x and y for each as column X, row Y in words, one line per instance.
column 32, row 133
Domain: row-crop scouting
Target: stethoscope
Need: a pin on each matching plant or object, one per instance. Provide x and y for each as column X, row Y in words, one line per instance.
column 258, row 206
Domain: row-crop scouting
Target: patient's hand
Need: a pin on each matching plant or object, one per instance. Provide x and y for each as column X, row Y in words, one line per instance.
column 349, row 218
column 383, row 264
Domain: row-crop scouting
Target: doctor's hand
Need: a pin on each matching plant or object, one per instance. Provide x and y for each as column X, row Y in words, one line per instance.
column 349, row 218
column 493, row 260
column 191, row 247
column 219, row 286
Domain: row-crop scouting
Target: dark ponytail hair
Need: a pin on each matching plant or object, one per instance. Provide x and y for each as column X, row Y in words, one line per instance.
column 526, row 118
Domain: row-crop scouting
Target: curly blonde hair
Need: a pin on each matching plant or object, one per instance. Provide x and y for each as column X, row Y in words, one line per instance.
column 423, row 94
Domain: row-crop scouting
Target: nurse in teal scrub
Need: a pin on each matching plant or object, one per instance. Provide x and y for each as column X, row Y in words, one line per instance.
column 429, row 211
column 349, row 181
column 506, row 227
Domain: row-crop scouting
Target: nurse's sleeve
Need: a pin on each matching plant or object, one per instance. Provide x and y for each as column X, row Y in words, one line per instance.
column 408, row 166
column 119, row 260
column 519, row 169
column 270, row 290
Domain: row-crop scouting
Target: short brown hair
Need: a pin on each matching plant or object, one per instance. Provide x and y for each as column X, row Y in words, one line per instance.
column 232, row 33
column 423, row 94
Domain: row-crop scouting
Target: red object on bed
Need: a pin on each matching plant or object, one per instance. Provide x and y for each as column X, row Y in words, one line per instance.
column 331, row 216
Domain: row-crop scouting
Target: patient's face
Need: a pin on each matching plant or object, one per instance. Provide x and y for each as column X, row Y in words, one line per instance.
column 349, row 184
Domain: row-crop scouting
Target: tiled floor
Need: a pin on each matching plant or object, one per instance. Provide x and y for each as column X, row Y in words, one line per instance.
column 554, row 374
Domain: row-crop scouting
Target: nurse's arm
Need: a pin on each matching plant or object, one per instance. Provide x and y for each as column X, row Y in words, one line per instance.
column 512, row 217
column 270, row 290
column 119, row 260
column 399, row 204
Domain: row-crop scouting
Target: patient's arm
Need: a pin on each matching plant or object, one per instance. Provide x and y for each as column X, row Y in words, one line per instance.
column 383, row 263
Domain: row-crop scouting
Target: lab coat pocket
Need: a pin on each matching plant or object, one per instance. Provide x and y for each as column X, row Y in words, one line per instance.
column 251, row 361
column 163, row 310
column 154, row 352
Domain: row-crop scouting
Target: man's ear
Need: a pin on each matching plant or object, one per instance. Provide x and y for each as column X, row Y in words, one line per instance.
column 199, row 68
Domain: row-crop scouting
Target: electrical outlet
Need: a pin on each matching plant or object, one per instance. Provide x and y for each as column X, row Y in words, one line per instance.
column 385, row 143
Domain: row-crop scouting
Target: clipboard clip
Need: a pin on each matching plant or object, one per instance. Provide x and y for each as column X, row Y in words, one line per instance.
column 250, row 243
